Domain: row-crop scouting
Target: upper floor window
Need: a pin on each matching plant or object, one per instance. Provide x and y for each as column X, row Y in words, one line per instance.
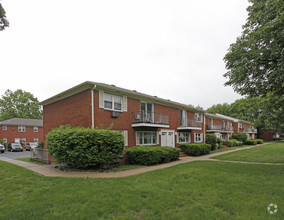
column 21, row 128
column 4, row 127
column 183, row 118
column 35, row 129
column 198, row 117
column 112, row 102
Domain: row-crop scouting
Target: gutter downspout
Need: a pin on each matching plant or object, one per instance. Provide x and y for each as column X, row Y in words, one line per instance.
column 204, row 125
column 93, row 106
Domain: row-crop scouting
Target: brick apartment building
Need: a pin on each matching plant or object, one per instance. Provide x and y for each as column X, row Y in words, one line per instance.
column 21, row 130
column 143, row 119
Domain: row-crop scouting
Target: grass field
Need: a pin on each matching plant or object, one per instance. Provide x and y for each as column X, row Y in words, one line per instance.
column 271, row 153
column 197, row 190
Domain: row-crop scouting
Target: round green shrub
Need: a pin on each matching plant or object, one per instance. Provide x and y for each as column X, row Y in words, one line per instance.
column 150, row 155
column 240, row 137
column 85, row 148
column 195, row 149
column 212, row 140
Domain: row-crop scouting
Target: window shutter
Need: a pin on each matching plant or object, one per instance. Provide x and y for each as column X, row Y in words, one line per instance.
column 137, row 138
column 158, row 138
column 125, row 133
column 124, row 103
column 101, row 99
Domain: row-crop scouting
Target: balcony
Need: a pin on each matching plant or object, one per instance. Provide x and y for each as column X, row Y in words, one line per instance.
column 150, row 119
column 250, row 130
column 190, row 124
column 220, row 128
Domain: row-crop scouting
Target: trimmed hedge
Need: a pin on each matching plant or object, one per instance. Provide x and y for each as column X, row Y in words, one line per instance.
column 151, row 155
column 232, row 143
column 259, row 141
column 251, row 142
column 195, row 149
column 212, row 140
column 240, row 137
column 85, row 148
column 219, row 142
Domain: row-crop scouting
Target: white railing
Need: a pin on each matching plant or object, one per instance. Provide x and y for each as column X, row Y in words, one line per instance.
column 150, row 117
column 39, row 154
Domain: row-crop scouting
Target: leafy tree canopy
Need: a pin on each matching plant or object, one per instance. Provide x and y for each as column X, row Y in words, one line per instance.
column 223, row 109
column 3, row 21
column 255, row 61
column 19, row 104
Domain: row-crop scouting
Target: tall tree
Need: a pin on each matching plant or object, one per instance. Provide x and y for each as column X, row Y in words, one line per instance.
column 19, row 104
column 3, row 20
column 255, row 62
column 223, row 109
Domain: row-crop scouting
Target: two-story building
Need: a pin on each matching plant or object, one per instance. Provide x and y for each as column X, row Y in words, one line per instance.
column 21, row 130
column 220, row 125
column 143, row 119
column 242, row 126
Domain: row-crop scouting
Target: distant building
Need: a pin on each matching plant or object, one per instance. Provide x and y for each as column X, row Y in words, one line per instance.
column 21, row 130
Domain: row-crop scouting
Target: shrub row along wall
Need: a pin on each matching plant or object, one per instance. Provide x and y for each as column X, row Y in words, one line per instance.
column 195, row 149
column 85, row 148
column 150, row 155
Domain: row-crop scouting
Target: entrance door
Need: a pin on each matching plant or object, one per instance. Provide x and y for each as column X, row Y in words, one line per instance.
column 168, row 138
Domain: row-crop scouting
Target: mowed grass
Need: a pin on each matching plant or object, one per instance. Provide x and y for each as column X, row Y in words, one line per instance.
column 270, row 153
column 28, row 159
column 197, row 190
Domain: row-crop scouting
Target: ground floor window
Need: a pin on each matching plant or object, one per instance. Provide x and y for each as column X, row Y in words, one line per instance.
column 125, row 135
column 5, row 140
column 36, row 140
column 229, row 136
column 218, row 135
column 146, row 137
column 223, row 137
column 23, row 140
column 183, row 137
column 198, row 137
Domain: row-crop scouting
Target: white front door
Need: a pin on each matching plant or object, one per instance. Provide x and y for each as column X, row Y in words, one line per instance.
column 167, row 138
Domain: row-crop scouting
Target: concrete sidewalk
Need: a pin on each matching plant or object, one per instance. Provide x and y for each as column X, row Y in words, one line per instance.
column 51, row 171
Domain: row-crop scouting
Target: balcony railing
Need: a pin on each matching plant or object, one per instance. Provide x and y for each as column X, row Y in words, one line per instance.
column 220, row 128
column 251, row 130
column 150, row 117
column 190, row 123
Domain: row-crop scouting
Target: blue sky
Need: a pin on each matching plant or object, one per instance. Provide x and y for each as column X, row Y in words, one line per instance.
column 171, row 49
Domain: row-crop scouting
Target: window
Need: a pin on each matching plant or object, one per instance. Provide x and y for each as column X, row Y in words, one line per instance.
column 146, row 138
column 223, row 137
column 21, row 128
column 125, row 134
column 198, row 137
column 35, row 129
column 183, row 137
column 183, row 118
column 198, row 117
column 240, row 124
column 4, row 127
column 36, row 140
column 218, row 135
column 112, row 102
column 5, row 140
column 24, row 140
column 229, row 136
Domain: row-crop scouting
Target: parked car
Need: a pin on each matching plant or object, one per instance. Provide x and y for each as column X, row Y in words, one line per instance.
column 15, row 147
column 2, row 148
column 31, row 145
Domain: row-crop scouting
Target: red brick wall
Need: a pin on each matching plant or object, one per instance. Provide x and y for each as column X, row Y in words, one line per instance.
column 12, row 132
column 266, row 136
column 74, row 111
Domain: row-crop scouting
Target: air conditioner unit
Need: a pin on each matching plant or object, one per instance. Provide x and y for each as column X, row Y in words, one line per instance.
column 114, row 114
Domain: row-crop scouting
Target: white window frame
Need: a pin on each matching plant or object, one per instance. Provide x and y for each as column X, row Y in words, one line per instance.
column 35, row 128
column 198, row 117
column 5, row 140
column 198, row 137
column 113, row 102
column 187, row 139
column 240, row 125
column 142, row 133
column 21, row 128
column 35, row 140
column 125, row 135
column 24, row 140
column 223, row 137
column 4, row 127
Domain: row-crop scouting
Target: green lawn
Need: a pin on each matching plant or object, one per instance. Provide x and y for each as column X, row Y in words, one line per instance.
column 28, row 159
column 227, row 149
column 197, row 190
column 271, row 153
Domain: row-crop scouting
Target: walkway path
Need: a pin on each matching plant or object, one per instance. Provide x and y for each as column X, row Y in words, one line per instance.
column 51, row 171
